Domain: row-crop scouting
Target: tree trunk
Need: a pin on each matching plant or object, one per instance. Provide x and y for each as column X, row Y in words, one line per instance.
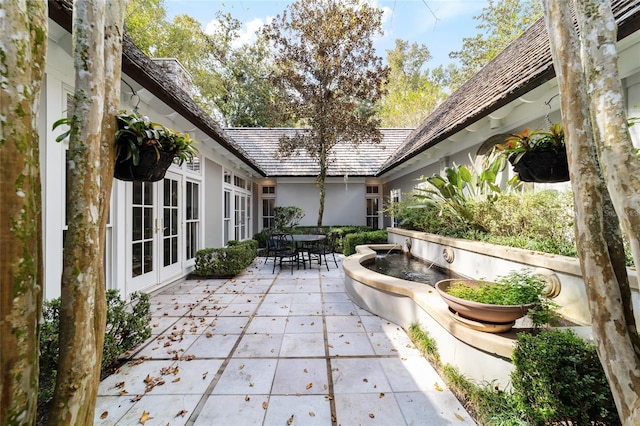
column 23, row 48
column 320, row 180
column 607, row 286
column 97, row 38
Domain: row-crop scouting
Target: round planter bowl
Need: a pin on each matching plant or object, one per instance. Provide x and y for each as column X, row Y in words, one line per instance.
column 496, row 314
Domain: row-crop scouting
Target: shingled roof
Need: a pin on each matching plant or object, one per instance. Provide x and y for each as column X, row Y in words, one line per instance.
column 500, row 82
column 262, row 145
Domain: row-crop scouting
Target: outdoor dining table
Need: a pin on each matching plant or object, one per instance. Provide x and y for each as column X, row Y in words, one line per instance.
column 302, row 240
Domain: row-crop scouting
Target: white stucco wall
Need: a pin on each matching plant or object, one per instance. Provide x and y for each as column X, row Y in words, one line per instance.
column 344, row 202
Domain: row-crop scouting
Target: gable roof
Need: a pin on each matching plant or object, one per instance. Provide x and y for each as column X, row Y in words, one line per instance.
column 501, row 81
column 262, row 145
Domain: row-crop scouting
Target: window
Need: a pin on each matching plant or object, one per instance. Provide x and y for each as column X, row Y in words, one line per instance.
column 142, row 230
column 194, row 164
column 268, row 189
column 373, row 206
column 395, row 198
column 268, row 213
column 192, row 219
column 227, row 216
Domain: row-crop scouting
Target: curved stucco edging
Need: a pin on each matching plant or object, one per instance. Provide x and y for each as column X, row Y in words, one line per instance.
column 405, row 302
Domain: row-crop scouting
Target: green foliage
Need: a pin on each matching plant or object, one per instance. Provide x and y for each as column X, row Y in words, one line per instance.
column 500, row 22
column 412, row 92
column 516, row 145
column 425, row 343
column 225, row 262
column 461, row 185
column 515, row 288
column 558, row 378
column 230, row 80
column 350, row 241
column 286, row 217
column 136, row 132
column 127, row 326
column 49, row 350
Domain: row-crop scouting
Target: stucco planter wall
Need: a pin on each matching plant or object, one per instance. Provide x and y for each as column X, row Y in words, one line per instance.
column 487, row 261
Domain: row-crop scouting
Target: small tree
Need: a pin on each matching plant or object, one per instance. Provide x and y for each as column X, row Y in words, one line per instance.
column 328, row 76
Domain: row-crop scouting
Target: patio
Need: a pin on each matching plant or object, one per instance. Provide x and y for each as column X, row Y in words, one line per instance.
column 273, row 349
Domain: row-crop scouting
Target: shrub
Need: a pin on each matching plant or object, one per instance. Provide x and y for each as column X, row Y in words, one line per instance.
column 225, row 262
column 558, row 378
column 127, row 326
column 352, row 240
column 287, row 217
column 344, row 230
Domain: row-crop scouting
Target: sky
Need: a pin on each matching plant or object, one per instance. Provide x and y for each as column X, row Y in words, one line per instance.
column 439, row 24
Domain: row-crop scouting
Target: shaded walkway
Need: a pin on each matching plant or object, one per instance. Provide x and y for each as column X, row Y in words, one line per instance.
column 274, row 349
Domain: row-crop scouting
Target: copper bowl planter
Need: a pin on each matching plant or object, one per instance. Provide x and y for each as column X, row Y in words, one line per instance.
column 495, row 314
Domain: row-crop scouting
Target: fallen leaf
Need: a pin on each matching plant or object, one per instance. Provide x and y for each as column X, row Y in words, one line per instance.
column 204, row 375
column 306, row 371
column 177, row 379
column 290, row 420
column 119, row 385
column 241, row 366
column 312, row 414
column 365, row 380
column 123, row 392
column 246, row 398
column 459, row 417
column 181, row 413
column 144, row 417
column 437, row 387
column 381, row 395
column 309, row 386
column 104, row 415
column 136, row 398
column 372, row 415
column 265, row 405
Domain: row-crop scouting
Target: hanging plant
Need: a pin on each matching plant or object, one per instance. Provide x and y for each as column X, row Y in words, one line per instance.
column 538, row 156
column 145, row 149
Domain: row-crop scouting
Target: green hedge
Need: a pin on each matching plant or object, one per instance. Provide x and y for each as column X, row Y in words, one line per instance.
column 225, row 262
column 127, row 326
column 352, row 240
column 558, row 379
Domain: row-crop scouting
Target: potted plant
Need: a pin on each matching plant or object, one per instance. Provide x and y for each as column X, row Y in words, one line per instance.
column 507, row 299
column 538, row 156
column 145, row 149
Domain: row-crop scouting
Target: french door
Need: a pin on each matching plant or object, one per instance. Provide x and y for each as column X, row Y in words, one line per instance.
column 155, row 235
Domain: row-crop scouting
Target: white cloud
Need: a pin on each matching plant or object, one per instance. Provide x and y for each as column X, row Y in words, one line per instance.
column 247, row 33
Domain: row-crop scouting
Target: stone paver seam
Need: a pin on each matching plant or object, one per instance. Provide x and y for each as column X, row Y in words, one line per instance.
column 207, row 393
column 325, row 336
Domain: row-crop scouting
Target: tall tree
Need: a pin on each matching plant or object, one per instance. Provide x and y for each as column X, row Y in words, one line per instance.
column 230, row 81
column 23, row 48
column 501, row 22
column 97, row 54
column 329, row 77
column 145, row 22
column 600, row 153
column 412, row 93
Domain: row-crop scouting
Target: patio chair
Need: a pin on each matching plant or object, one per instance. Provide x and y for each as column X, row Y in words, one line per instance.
column 283, row 250
column 323, row 248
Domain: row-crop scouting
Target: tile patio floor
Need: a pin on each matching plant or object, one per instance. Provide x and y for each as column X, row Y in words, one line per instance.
column 274, row 349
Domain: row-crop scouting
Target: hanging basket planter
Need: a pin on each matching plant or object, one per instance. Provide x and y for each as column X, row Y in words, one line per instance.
column 147, row 149
column 542, row 166
column 538, row 156
column 152, row 167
